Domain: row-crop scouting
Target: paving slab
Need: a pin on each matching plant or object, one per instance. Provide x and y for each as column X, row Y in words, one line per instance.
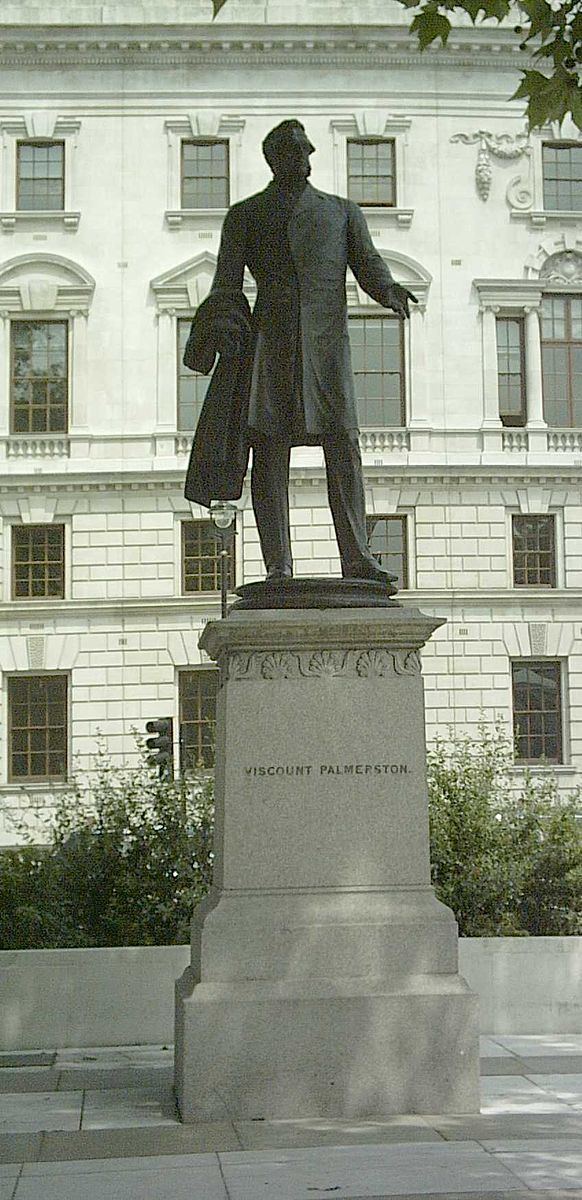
column 512, row 1065
column 29, row 1079
column 27, row 1058
column 535, row 1045
column 489, row 1047
column 138, row 1142
column 257, row 1135
column 19, row 1147
column 115, row 1056
column 364, row 1171
column 507, row 1126
column 504, row 1094
column 168, row 1182
column 551, row 1064
column 120, row 1107
column 100, row 1078
column 566, row 1088
column 545, row 1168
column 27, row 1112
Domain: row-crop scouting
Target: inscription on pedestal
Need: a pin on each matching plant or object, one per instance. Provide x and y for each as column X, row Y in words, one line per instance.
column 312, row 769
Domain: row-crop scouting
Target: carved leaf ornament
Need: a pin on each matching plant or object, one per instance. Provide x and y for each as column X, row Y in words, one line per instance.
column 287, row 664
column 502, row 146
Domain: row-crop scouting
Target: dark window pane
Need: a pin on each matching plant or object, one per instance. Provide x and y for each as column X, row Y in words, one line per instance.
column 201, row 557
column 562, row 360
column 191, row 388
column 537, row 713
column 387, row 539
column 38, row 568
column 37, row 727
column 197, row 718
column 378, row 364
column 40, row 168
column 511, row 371
column 534, row 555
column 39, row 376
column 562, row 174
column 371, row 171
column 205, row 174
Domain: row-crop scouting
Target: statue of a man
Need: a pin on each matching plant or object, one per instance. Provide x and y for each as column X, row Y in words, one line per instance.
column 291, row 358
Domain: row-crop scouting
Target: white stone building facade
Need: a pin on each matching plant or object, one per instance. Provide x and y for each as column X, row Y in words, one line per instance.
column 471, row 419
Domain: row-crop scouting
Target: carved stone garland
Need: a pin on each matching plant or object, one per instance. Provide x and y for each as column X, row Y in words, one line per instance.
column 286, row 664
column 503, row 146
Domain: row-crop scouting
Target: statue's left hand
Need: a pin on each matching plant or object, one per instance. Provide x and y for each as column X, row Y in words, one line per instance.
column 397, row 299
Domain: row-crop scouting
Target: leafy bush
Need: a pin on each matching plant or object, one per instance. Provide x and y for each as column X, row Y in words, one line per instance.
column 127, row 859
column 125, row 863
column 506, row 857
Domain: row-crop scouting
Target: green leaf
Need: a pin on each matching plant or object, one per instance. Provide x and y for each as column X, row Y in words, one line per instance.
column 576, row 105
column 216, row 7
column 430, row 25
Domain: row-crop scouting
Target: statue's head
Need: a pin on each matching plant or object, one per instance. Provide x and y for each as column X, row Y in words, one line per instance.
column 287, row 149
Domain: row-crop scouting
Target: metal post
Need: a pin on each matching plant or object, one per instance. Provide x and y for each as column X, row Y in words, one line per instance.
column 223, row 571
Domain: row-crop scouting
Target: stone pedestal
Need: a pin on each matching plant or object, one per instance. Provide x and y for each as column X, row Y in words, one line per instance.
column 324, row 978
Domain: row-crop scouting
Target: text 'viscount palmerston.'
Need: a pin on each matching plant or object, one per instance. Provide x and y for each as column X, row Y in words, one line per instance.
column 328, row 769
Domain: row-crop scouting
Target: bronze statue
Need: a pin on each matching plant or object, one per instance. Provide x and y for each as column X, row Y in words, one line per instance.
column 284, row 374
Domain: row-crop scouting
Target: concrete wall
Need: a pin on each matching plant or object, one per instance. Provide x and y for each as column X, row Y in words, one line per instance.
column 125, row 995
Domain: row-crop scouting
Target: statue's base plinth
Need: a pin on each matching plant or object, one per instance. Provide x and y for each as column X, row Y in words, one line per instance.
column 324, row 978
column 310, row 592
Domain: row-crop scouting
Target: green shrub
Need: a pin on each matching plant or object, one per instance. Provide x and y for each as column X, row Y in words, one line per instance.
column 124, row 865
column 126, row 860
column 506, row 856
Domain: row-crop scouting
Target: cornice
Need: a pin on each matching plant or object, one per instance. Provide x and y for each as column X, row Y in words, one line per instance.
column 240, row 45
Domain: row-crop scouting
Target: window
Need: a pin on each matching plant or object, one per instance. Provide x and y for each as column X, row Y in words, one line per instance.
column 40, row 176
column 201, row 557
column 511, row 370
column 205, row 173
column 534, row 551
column 388, row 542
column 378, row 363
column 371, row 171
column 562, row 360
column 562, row 172
column 37, row 727
column 191, row 387
column 38, row 561
column 39, row 376
column 197, row 717
column 537, row 711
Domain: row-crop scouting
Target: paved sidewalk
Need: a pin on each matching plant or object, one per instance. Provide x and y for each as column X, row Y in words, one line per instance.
column 101, row 1125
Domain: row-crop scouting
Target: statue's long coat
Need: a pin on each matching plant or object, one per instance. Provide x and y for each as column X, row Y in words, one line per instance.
column 300, row 382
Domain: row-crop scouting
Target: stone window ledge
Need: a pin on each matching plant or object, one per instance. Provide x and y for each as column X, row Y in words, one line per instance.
column 393, row 216
column 177, row 217
column 540, row 217
column 9, row 220
column 559, row 769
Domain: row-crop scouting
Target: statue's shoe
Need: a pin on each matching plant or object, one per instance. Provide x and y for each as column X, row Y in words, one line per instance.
column 278, row 574
column 368, row 569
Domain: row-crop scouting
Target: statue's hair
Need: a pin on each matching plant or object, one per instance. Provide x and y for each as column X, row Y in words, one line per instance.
column 276, row 139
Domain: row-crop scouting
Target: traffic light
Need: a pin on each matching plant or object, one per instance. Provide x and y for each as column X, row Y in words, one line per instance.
column 161, row 746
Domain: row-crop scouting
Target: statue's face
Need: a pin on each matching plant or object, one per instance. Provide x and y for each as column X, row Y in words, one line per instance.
column 293, row 155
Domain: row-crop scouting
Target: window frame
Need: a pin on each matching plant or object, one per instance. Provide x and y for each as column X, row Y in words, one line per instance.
column 206, row 141
column 561, row 144
column 183, row 372
column 373, row 141
column 39, row 143
column 552, row 517
column 15, row 531
column 542, row 761
column 508, row 420
column 32, row 780
column 403, row 519
column 198, row 671
column 569, row 343
column 22, row 319
column 379, row 314
column 189, row 523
